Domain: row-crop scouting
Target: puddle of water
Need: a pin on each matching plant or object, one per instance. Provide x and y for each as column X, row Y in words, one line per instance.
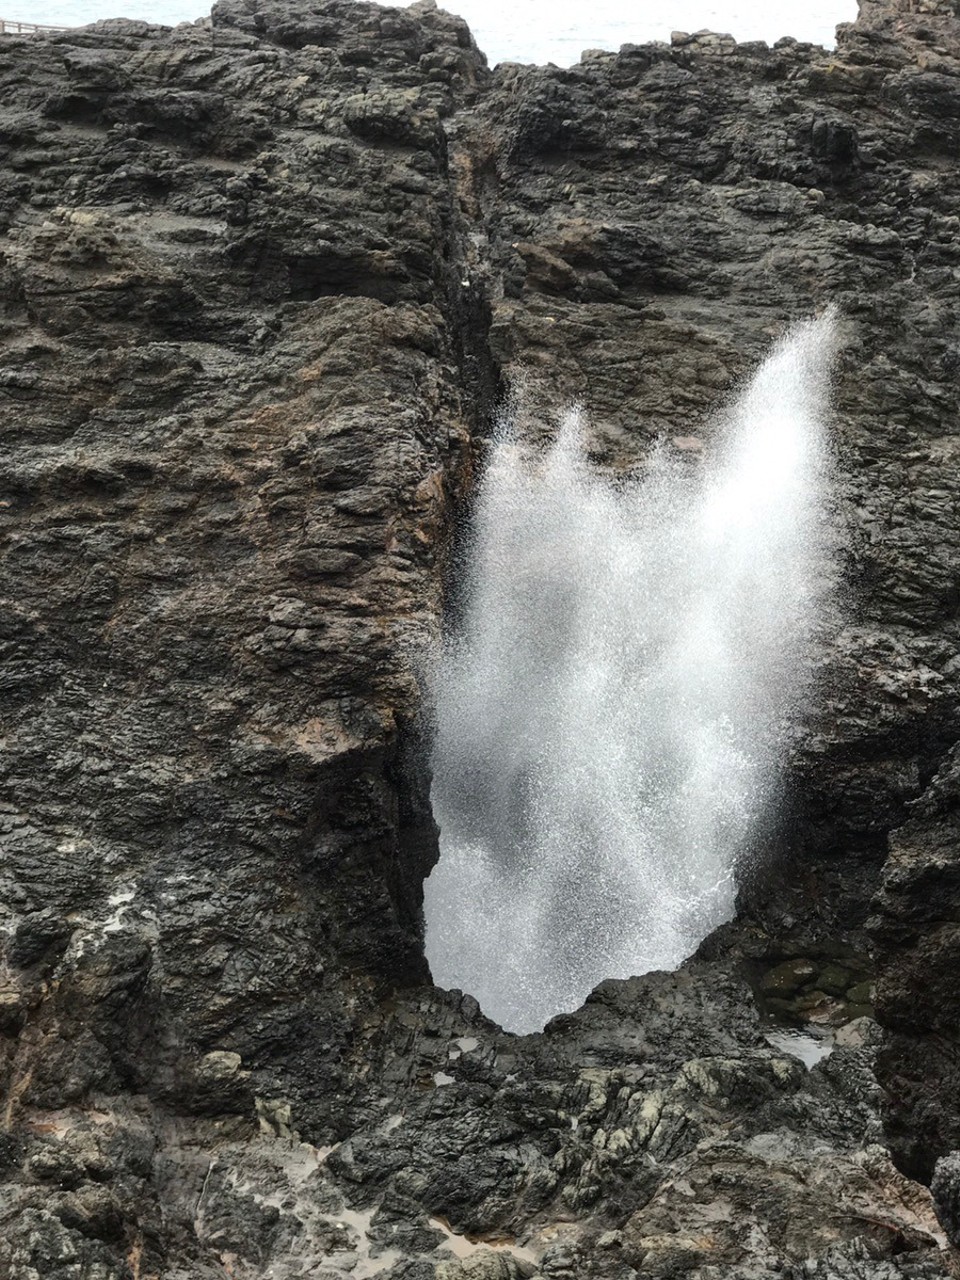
column 810, row 1049
column 367, row 1264
column 464, row 1247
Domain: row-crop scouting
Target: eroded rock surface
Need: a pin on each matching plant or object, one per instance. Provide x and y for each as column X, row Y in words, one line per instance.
column 261, row 283
column 917, row 931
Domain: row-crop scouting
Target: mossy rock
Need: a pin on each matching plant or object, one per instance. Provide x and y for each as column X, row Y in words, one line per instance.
column 858, row 1011
column 862, row 993
column 786, row 978
column 782, row 1009
column 834, row 979
column 823, row 1009
column 813, row 1000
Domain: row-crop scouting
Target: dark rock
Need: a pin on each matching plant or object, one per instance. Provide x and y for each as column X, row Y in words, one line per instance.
column 946, row 1193
column 917, row 933
column 862, row 993
column 39, row 935
column 788, row 977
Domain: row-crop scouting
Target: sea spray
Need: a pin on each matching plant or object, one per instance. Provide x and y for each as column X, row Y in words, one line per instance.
column 610, row 715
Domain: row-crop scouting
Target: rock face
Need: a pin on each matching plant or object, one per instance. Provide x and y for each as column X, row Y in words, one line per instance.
column 917, row 931
column 263, row 281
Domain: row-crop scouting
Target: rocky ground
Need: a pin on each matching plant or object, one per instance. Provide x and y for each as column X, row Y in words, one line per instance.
column 263, row 282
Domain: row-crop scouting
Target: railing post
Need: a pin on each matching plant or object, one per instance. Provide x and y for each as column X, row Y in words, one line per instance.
column 9, row 26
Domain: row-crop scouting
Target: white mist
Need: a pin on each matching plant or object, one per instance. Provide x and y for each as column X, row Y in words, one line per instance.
column 610, row 717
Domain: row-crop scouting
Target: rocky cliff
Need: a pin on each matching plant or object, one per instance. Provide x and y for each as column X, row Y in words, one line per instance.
column 264, row 281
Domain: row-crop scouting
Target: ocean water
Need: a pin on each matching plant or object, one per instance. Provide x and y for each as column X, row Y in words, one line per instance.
column 613, row 706
column 529, row 30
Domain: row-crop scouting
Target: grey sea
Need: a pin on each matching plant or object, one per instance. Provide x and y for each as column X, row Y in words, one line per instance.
column 529, row 30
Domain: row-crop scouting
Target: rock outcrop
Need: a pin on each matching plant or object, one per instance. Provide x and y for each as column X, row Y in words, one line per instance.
column 264, row 280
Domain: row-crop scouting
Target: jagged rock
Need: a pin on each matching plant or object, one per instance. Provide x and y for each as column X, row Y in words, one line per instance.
column 262, row 280
column 917, row 933
column 946, row 1193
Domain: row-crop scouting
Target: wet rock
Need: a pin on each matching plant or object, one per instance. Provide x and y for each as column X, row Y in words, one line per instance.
column 858, row 1033
column 834, row 980
column 946, row 1193
column 862, row 993
column 916, row 929
column 821, row 1009
column 788, row 978
column 854, row 1011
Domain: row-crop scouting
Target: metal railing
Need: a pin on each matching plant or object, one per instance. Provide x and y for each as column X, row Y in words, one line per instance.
column 8, row 28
